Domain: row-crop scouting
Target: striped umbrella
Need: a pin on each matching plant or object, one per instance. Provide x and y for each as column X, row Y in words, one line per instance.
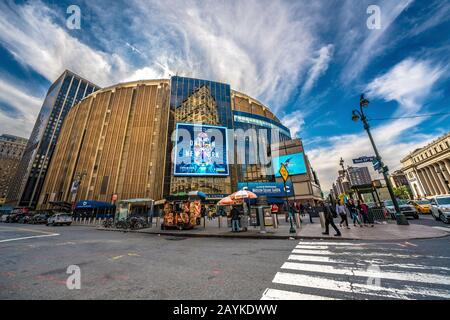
column 243, row 194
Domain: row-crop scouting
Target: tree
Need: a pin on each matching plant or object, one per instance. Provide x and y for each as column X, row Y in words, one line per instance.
column 402, row 192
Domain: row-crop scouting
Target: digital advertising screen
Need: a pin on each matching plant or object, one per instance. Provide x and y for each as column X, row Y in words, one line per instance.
column 200, row 150
column 295, row 164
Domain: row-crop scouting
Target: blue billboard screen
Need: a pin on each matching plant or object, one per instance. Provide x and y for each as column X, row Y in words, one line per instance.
column 295, row 164
column 200, row 150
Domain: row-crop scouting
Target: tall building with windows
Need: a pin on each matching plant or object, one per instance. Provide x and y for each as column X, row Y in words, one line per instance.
column 63, row 94
column 11, row 151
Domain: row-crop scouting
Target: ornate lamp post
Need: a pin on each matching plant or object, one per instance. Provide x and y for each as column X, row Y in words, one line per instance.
column 359, row 115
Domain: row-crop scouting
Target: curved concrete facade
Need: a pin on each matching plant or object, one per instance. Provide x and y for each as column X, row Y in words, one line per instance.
column 117, row 141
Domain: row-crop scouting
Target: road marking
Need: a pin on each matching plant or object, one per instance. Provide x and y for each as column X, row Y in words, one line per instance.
column 315, row 259
column 311, row 247
column 401, row 276
column 334, row 243
column 274, row 294
column 393, row 255
column 442, row 228
column 31, row 237
column 117, row 257
column 133, row 255
column 314, row 252
column 24, row 229
column 317, row 282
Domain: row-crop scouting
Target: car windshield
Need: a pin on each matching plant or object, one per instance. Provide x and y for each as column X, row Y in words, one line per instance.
column 389, row 203
column 444, row 201
column 423, row 202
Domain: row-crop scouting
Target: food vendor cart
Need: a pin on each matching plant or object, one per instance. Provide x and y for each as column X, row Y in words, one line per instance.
column 182, row 211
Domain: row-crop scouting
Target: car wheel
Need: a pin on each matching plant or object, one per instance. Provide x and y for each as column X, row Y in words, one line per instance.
column 435, row 217
column 444, row 218
column 416, row 217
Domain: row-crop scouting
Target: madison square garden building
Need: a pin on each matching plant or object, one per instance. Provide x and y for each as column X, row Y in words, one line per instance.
column 153, row 138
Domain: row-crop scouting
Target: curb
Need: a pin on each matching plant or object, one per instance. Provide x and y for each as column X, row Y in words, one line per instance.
column 263, row 236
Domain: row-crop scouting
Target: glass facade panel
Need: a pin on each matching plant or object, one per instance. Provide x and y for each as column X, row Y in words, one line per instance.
column 64, row 93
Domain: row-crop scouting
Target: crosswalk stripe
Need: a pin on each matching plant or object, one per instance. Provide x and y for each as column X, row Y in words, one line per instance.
column 401, row 276
column 274, row 294
column 315, row 259
column 317, row 282
column 311, row 247
column 334, row 243
column 364, row 254
column 314, row 252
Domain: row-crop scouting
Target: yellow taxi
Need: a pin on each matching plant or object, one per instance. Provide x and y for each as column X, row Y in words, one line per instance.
column 422, row 206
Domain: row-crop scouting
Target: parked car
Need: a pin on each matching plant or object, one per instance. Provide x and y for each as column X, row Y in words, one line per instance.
column 24, row 219
column 407, row 209
column 422, row 206
column 40, row 218
column 4, row 216
column 14, row 217
column 440, row 208
column 59, row 219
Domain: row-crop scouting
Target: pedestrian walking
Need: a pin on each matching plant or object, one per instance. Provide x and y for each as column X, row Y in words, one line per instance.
column 310, row 210
column 340, row 210
column 329, row 220
column 353, row 212
column 364, row 210
column 234, row 220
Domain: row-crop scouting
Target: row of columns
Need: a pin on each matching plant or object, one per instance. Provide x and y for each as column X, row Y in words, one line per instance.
column 435, row 178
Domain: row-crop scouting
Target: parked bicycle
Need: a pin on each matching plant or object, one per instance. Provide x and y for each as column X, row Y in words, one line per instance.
column 108, row 223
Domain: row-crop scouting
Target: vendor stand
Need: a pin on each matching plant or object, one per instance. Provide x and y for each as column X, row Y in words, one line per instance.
column 182, row 211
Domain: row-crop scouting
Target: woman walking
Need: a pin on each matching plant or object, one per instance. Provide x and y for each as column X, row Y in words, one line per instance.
column 353, row 212
column 364, row 209
column 340, row 210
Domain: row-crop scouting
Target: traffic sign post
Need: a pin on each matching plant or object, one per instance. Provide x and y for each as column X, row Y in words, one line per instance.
column 285, row 175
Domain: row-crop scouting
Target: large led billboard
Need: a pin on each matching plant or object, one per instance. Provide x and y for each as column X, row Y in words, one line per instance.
column 295, row 164
column 200, row 150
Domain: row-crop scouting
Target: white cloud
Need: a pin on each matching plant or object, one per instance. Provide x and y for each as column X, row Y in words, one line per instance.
column 295, row 121
column 319, row 67
column 29, row 33
column 238, row 42
column 407, row 83
column 26, row 108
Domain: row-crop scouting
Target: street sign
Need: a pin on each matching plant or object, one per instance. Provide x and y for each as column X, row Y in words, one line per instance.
column 376, row 165
column 284, row 172
column 363, row 160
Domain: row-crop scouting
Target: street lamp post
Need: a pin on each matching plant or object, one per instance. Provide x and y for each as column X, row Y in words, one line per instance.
column 359, row 115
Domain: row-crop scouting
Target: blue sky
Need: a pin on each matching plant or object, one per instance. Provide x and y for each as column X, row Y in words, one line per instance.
column 307, row 60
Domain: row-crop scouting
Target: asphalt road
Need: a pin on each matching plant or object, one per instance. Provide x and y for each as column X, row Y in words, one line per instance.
column 116, row 265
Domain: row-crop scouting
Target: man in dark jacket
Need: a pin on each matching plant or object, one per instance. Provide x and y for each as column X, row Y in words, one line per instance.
column 328, row 210
column 235, row 219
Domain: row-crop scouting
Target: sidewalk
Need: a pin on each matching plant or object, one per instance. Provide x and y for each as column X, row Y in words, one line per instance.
column 388, row 232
